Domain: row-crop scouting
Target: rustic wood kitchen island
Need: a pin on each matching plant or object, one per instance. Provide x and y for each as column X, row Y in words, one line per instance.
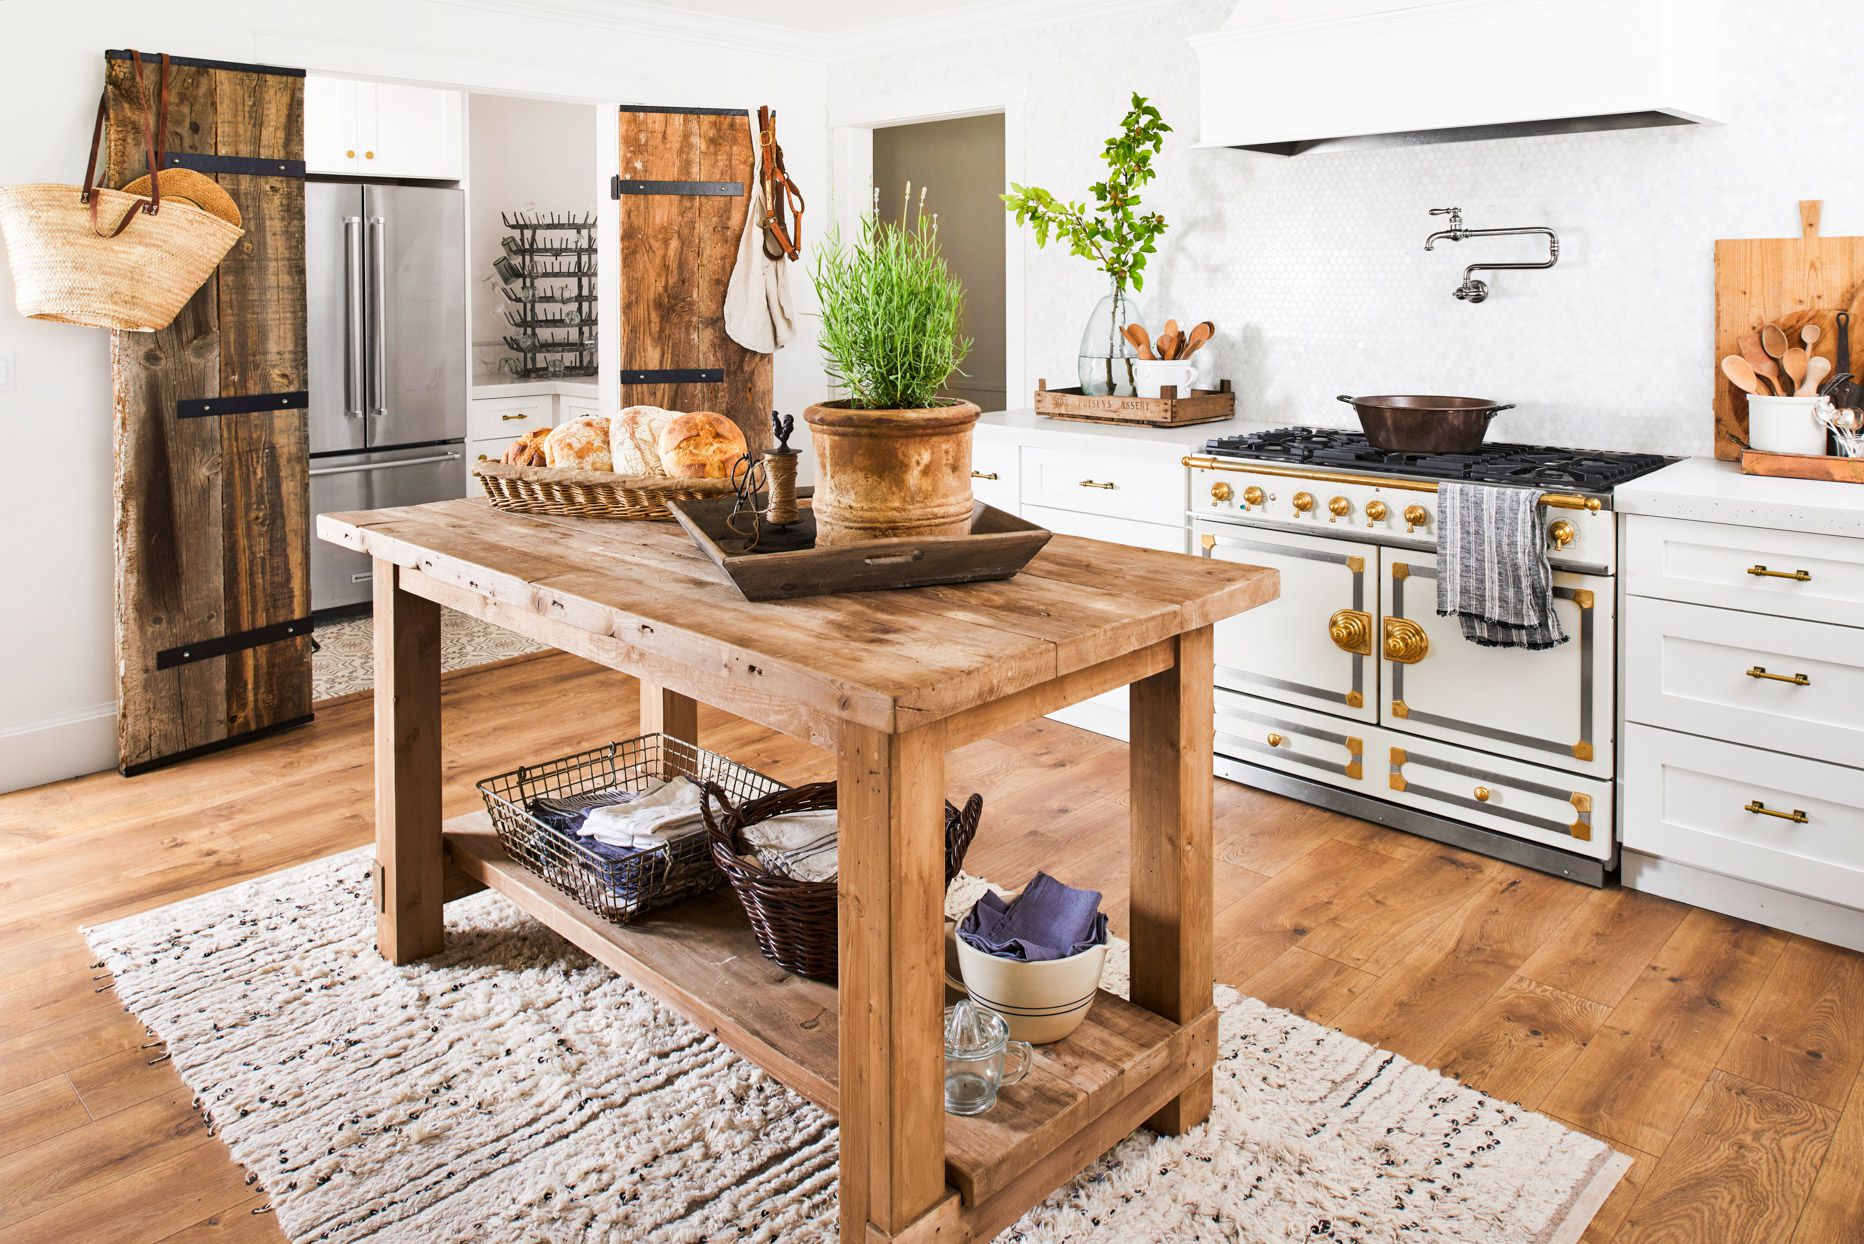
column 889, row 681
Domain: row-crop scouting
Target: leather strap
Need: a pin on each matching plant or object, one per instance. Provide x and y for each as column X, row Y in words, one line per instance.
column 152, row 149
column 781, row 241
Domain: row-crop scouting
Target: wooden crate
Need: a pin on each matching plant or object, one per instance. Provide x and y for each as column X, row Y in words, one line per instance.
column 1803, row 466
column 1203, row 406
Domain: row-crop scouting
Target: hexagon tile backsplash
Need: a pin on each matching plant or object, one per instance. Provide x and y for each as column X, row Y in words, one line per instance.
column 1314, row 268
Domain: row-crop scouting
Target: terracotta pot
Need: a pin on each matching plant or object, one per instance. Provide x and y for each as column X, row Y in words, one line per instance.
column 891, row 474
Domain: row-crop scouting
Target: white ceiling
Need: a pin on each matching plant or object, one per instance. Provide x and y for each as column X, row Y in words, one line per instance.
column 830, row 17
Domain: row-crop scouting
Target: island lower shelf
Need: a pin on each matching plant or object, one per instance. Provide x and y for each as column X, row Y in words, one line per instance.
column 1081, row 1095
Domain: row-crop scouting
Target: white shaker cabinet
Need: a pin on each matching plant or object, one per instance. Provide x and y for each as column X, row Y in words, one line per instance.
column 379, row 129
column 1743, row 767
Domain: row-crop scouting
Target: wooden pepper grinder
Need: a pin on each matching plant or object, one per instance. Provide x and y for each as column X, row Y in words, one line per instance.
column 780, row 473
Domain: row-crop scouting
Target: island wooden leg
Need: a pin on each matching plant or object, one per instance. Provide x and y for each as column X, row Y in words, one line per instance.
column 407, row 771
column 892, row 802
column 1171, row 782
column 669, row 713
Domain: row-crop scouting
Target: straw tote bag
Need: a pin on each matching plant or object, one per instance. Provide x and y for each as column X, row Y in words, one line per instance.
column 108, row 258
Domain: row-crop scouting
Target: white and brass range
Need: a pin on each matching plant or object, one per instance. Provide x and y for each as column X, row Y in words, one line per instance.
column 1503, row 751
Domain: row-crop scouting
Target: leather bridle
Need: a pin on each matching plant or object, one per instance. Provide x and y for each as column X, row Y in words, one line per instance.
column 781, row 240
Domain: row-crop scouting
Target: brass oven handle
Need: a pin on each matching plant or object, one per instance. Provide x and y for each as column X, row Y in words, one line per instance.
column 1798, row 680
column 1405, row 641
column 1760, row 809
column 1088, row 483
column 1800, row 576
column 983, row 475
column 1351, row 631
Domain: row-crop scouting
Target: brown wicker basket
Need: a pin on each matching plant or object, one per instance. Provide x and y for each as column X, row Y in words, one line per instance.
column 589, row 494
column 795, row 920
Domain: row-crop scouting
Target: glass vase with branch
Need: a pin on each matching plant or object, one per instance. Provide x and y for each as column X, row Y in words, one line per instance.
column 1114, row 233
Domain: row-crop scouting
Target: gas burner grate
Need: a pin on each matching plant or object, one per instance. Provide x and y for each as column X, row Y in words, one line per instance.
column 1585, row 470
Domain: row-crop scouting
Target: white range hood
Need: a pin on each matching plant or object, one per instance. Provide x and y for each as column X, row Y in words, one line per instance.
column 1287, row 78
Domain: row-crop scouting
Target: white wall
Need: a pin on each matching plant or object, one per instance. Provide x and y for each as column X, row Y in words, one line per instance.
column 524, row 155
column 1314, row 268
column 57, row 686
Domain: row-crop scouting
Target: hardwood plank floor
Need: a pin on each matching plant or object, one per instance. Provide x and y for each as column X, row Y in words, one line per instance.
column 1726, row 1059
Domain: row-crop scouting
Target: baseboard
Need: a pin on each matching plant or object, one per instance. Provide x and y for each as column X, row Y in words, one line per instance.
column 1097, row 715
column 51, row 749
column 1745, row 900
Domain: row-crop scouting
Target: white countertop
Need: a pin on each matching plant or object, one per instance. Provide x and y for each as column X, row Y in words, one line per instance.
column 1026, row 427
column 534, row 388
column 1717, row 492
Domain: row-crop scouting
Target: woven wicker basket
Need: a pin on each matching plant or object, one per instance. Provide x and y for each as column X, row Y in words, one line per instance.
column 137, row 281
column 589, row 494
column 795, row 921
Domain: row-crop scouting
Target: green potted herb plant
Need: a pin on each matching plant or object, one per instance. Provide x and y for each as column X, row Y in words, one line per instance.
column 893, row 458
column 1115, row 234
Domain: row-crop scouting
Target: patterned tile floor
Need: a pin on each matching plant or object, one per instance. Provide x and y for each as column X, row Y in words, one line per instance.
column 344, row 660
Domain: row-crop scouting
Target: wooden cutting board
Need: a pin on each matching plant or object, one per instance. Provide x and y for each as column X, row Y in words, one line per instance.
column 1784, row 281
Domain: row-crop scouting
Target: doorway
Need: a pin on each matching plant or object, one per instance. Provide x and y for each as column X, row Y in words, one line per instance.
column 955, row 167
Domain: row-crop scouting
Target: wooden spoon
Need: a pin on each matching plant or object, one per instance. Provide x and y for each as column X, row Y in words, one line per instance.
column 1141, row 339
column 1773, row 341
column 1809, row 336
column 1757, row 358
column 1793, row 363
column 1741, row 372
column 1199, row 335
column 1818, row 367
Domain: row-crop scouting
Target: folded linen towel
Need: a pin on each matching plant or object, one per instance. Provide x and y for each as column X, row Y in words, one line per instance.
column 1492, row 569
column 657, row 816
column 801, row 845
column 1048, row 920
column 564, row 815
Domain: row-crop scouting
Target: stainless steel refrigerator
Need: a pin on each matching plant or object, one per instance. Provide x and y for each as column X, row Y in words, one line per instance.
column 385, row 269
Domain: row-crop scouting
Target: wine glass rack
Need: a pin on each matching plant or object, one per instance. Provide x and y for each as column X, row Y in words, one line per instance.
column 547, row 275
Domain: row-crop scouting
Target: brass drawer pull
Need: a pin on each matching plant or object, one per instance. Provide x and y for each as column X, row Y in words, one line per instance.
column 1276, row 740
column 1760, row 809
column 1482, row 794
column 1798, row 680
column 1088, row 483
column 983, row 475
column 523, row 414
column 1802, row 576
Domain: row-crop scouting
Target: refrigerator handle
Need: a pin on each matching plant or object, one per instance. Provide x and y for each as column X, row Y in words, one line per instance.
column 378, row 319
column 352, row 317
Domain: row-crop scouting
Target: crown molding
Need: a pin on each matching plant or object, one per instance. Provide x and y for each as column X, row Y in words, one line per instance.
column 664, row 21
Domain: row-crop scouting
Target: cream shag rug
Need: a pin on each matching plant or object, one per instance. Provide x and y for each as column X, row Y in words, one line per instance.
column 512, row 1089
column 345, row 657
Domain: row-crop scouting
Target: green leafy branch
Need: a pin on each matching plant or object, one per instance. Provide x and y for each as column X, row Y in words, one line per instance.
column 1114, row 233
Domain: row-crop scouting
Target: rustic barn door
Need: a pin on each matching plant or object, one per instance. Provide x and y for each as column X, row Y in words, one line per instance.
column 212, row 505
column 684, row 186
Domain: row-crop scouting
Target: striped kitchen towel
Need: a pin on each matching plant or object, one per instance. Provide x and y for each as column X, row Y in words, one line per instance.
column 1492, row 569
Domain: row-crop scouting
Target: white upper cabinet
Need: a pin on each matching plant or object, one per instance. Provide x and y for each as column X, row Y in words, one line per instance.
column 373, row 129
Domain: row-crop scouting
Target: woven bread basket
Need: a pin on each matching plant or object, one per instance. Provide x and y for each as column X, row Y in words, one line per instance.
column 137, row 281
column 589, row 494
column 795, row 921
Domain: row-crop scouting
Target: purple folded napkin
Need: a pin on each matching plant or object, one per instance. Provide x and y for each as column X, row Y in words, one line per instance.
column 1048, row 920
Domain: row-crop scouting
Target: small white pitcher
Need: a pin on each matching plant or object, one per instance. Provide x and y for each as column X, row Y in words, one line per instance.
column 1151, row 376
column 1785, row 425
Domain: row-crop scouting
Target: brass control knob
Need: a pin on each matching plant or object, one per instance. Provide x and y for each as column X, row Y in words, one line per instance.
column 1303, row 502
column 1482, row 794
column 1376, row 512
column 1276, row 740
column 1219, row 491
column 1253, row 496
column 1339, row 507
column 1415, row 516
column 1563, row 533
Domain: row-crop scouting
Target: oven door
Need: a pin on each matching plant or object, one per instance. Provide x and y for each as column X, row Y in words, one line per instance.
column 1553, row 707
column 1313, row 645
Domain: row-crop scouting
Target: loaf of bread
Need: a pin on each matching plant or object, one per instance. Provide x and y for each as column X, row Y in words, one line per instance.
column 700, row 445
column 527, row 450
column 634, row 440
column 581, row 443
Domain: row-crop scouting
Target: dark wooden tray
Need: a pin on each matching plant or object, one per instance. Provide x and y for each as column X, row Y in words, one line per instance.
column 787, row 564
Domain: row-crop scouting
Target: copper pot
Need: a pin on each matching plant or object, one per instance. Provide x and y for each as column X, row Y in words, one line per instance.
column 1426, row 425
column 891, row 474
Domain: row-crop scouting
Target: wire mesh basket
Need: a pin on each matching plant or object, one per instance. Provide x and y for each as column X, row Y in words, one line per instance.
column 617, row 884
